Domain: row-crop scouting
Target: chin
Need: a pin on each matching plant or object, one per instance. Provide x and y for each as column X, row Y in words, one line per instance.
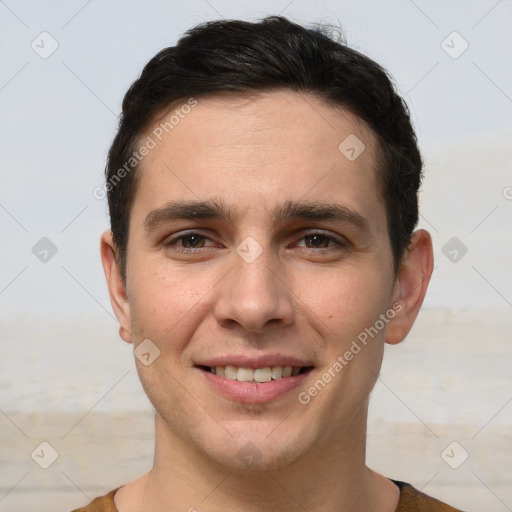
column 248, row 441
column 252, row 449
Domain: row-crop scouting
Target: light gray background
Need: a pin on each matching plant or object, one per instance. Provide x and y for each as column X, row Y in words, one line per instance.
column 67, row 378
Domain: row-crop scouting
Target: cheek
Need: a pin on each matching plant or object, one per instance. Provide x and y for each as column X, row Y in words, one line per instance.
column 166, row 310
column 345, row 306
column 347, row 302
column 164, row 301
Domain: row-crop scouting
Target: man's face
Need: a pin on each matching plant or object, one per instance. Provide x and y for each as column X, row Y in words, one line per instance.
column 272, row 284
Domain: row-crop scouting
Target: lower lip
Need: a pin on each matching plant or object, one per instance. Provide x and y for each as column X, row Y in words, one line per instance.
column 254, row 393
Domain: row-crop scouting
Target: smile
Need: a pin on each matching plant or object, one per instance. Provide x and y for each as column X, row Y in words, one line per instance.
column 256, row 375
column 254, row 385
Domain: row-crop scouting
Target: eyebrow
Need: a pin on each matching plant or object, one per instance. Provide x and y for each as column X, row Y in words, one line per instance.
column 329, row 212
column 176, row 210
column 216, row 210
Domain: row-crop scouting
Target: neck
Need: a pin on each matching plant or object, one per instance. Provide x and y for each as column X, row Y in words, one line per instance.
column 331, row 476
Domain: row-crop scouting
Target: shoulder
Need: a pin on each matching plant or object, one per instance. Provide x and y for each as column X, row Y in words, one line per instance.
column 412, row 500
column 101, row 504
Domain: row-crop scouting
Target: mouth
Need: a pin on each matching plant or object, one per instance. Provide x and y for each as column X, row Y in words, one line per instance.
column 254, row 385
column 256, row 375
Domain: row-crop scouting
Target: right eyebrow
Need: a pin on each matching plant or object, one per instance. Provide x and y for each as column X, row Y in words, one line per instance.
column 176, row 210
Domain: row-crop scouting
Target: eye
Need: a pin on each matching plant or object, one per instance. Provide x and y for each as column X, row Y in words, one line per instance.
column 318, row 240
column 187, row 241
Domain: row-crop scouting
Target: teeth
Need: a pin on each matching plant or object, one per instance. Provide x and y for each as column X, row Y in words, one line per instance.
column 230, row 372
column 244, row 375
column 265, row 374
column 277, row 372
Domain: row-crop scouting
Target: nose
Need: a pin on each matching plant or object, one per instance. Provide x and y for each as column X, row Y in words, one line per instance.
column 254, row 296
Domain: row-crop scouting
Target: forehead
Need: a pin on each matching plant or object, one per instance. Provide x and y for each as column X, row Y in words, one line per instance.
column 259, row 150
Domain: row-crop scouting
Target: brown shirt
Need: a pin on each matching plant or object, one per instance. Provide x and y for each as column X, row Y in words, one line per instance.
column 411, row 500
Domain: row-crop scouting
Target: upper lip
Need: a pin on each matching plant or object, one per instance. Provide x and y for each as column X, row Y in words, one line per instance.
column 259, row 361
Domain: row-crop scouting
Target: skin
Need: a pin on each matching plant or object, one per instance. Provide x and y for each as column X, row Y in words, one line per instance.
column 297, row 298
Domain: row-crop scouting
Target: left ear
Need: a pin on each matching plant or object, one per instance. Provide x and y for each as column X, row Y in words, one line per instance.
column 411, row 285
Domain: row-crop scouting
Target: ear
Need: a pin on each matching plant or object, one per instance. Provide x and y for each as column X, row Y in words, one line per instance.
column 411, row 285
column 116, row 286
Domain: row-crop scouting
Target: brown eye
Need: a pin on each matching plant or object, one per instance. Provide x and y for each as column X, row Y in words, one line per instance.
column 192, row 241
column 187, row 241
column 317, row 241
column 322, row 243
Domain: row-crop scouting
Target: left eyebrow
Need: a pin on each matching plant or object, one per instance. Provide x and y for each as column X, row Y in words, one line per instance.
column 327, row 212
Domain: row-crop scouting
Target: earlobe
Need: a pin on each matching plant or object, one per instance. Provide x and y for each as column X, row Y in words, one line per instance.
column 116, row 285
column 411, row 285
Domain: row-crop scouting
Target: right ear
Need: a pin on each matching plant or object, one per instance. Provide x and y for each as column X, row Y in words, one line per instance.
column 116, row 286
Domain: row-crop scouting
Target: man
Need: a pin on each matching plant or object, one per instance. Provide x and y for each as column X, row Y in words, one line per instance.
column 263, row 198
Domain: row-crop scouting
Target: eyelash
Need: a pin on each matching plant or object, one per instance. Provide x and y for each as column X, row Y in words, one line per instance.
column 173, row 241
